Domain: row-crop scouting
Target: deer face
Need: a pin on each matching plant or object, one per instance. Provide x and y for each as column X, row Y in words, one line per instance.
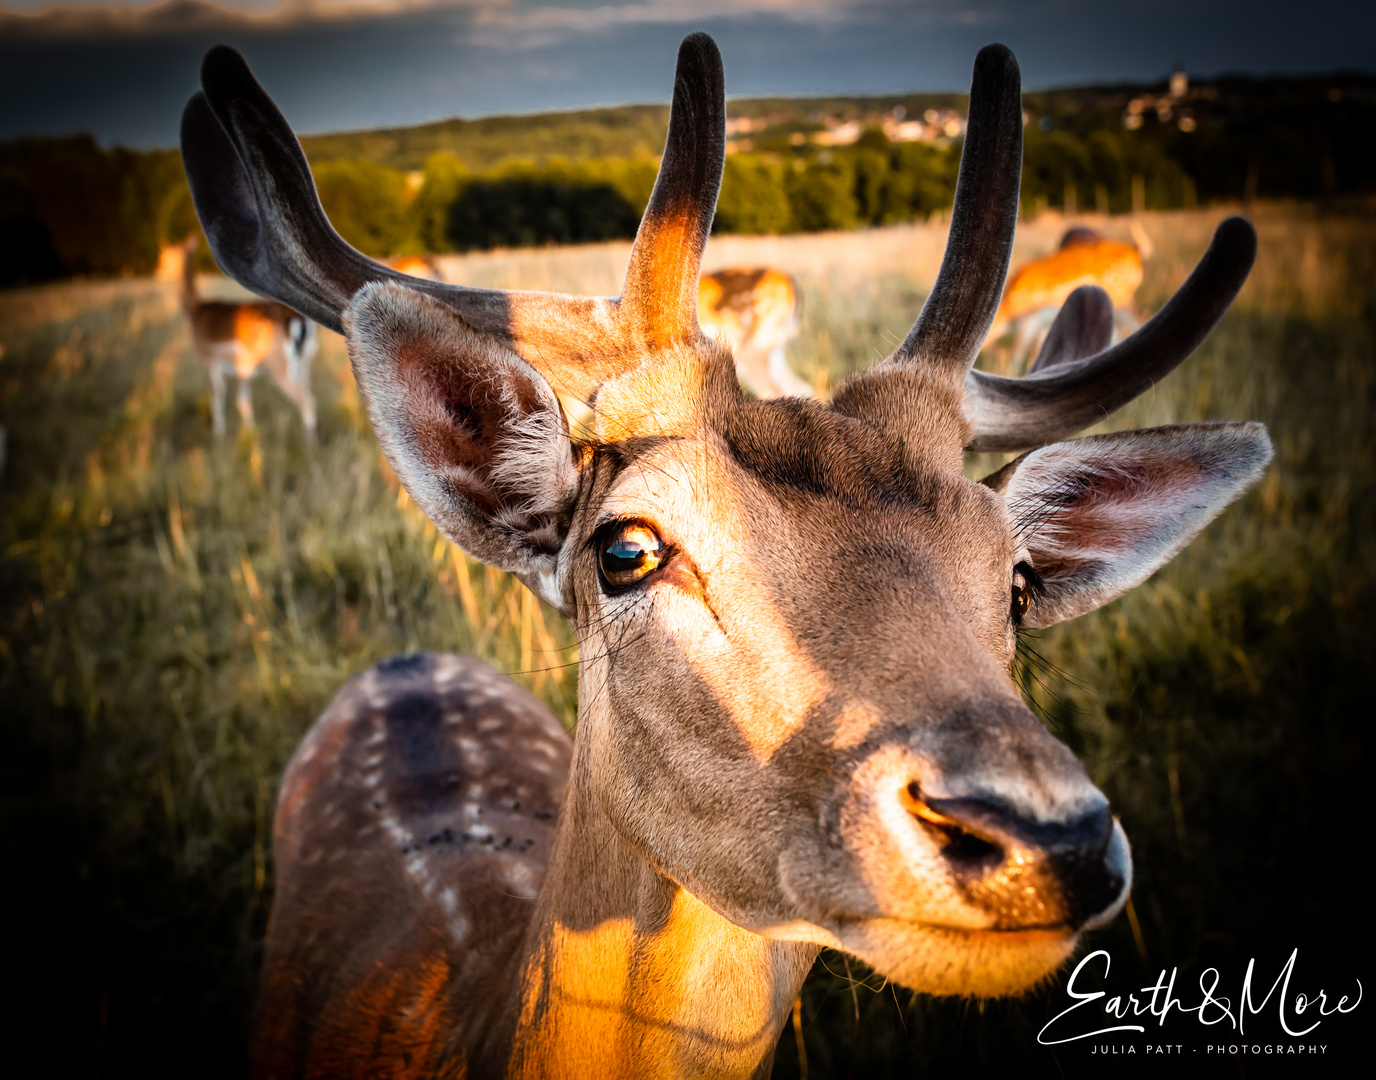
column 797, row 621
column 802, row 711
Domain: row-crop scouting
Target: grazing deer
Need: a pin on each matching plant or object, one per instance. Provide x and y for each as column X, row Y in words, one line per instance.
column 797, row 726
column 416, row 266
column 754, row 310
column 1037, row 290
column 245, row 340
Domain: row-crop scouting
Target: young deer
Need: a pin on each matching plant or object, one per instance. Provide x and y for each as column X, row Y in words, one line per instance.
column 1037, row 290
column 754, row 310
column 797, row 726
column 245, row 340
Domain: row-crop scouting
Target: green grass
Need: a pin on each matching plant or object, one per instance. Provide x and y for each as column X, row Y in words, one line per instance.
column 174, row 614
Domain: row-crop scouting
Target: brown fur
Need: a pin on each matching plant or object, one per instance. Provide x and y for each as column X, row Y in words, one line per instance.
column 717, row 830
column 797, row 730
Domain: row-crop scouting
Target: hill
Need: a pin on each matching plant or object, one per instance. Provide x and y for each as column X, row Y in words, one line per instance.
column 69, row 207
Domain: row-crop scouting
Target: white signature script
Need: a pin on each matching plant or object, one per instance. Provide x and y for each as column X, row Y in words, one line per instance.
column 1212, row 1008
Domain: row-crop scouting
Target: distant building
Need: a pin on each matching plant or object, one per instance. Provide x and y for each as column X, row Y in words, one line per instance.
column 838, row 133
column 1170, row 107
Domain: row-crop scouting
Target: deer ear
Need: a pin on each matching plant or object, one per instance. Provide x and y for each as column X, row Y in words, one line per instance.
column 1097, row 516
column 474, row 433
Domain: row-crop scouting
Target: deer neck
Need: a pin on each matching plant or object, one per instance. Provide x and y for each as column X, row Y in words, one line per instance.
column 626, row 974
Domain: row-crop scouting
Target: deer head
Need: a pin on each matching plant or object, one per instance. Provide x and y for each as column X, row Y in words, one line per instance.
column 797, row 620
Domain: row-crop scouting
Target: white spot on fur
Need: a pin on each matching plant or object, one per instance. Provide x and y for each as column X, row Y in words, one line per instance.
column 520, row 879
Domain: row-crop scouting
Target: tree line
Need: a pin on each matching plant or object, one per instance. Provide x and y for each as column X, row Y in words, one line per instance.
column 71, row 208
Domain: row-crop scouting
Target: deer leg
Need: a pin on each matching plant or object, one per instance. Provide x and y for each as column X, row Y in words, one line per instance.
column 752, row 367
column 783, row 376
column 1032, row 330
column 244, row 400
column 300, row 350
column 1125, row 322
column 307, row 404
column 298, row 392
column 217, row 399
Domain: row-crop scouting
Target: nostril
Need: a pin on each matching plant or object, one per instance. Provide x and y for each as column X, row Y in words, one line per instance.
column 958, row 842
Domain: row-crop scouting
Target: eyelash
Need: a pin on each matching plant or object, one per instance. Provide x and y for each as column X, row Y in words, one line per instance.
column 1025, row 595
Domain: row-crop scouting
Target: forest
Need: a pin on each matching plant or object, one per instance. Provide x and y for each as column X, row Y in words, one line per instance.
column 71, row 208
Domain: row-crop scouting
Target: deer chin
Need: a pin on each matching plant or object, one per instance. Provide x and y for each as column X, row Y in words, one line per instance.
column 944, row 960
column 955, row 962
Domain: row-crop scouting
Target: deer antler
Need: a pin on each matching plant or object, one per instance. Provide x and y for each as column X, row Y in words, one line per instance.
column 1082, row 327
column 659, row 302
column 257, row 201
column 1056, row 400
column 1066, row 389
column 960, row 308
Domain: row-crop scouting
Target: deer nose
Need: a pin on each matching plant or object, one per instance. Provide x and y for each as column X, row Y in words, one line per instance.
column 1029, row 871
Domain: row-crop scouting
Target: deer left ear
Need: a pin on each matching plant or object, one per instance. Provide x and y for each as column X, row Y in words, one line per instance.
column 1097, row 516
column 474, row 433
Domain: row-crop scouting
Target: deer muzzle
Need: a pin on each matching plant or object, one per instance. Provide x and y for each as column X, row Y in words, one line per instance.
column 1025, row 872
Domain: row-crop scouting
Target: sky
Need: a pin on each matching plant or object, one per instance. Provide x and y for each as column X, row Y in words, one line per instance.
column 124, row 70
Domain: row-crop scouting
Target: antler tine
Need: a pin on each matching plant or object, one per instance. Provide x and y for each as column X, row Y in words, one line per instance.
column 1063, row 398
column 257, row 201
column 960, row 309
column 1083, row 327
column 659, row 303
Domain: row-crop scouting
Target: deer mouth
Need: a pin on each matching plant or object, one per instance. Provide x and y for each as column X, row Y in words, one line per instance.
column 958, row 961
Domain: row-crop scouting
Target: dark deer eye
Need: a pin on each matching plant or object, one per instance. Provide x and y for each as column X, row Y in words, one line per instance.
column 629, row 552
column 1024, row 584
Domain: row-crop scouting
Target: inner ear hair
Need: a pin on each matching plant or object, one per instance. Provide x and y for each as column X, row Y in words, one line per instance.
column 475, row 434
column 1099, row 515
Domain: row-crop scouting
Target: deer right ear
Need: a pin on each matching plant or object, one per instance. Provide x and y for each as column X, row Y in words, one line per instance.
column 1097, row 516
column 474, row 433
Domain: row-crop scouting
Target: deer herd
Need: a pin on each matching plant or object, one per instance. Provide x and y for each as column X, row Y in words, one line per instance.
column 797, row 727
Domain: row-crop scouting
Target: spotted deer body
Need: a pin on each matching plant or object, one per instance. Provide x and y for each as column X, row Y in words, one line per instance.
column 437, row 780
column 755, row 311
column 244, row 341
column 796, row 722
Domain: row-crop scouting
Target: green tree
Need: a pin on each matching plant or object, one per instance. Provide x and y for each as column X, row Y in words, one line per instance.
column 873, row 180
column 366, row 203
column 443, row 180
column 524, row 205
column 753, row 197
column 822, row 194
column 923, row 179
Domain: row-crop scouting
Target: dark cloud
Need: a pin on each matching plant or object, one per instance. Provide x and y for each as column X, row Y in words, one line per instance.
column 125, row 75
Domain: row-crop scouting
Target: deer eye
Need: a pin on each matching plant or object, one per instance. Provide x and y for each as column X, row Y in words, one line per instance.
column 1024, row 583
column 629, row 552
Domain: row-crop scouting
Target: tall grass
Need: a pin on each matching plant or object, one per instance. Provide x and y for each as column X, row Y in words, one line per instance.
column 174, row 613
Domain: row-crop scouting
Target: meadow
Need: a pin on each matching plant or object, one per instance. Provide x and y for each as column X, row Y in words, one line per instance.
column 175, row 612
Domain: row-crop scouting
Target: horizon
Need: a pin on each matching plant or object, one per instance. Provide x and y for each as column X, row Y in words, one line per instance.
column 122, row 72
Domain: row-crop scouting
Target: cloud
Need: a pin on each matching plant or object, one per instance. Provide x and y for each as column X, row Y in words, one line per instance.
column 529, row 18
column 176, row 17
column 124, row 72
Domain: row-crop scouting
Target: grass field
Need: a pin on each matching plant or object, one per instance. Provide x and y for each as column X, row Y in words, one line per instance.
column 174, row 614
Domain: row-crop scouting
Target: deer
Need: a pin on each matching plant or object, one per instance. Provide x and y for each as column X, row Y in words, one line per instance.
column 1037, row 291
column 244, row 340
column 797, row 724
column 417, row 266
column 755, row 311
